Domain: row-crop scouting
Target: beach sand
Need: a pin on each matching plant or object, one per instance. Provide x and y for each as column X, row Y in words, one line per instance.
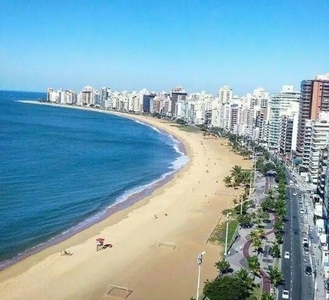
column 187, row 209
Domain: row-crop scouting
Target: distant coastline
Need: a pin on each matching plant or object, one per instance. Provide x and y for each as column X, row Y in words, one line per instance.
column 184, row 210
column 141, row 193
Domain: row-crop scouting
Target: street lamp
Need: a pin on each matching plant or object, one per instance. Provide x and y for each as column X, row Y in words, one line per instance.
column 226, row 236
column 199, row 261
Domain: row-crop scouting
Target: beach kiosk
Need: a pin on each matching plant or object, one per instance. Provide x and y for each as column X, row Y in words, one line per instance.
column 100, row 243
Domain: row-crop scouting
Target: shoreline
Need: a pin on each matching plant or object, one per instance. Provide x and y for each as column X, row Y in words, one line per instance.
column 187, row 209
column 133, row 197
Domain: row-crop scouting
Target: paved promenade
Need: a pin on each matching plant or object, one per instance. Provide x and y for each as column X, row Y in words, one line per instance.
column 242, row 247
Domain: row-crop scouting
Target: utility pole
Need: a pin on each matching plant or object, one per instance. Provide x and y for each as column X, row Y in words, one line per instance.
column 226, row 236
column 199, row 261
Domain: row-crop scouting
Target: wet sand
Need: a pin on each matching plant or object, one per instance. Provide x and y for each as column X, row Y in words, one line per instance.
column 183, row 211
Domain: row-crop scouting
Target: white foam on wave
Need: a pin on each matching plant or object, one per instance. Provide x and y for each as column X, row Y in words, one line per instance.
column 179, row 162
column 148, row 125
column 176, row 165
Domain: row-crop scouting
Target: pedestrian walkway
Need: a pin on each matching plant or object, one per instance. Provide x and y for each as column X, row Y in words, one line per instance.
column 242, row 247
column 315, row 245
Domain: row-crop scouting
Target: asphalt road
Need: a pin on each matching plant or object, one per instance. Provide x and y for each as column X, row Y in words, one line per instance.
column 297, row 282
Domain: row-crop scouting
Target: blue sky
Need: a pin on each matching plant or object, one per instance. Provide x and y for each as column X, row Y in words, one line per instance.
column 132, row 44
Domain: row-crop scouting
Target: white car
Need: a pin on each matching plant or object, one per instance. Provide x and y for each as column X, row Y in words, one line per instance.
column 295, row 194
column 302, row 211
column 287, row 255
column 305, row 240
column 285, row 294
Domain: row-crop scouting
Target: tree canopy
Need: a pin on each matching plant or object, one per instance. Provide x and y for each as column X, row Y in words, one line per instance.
column 227, row 288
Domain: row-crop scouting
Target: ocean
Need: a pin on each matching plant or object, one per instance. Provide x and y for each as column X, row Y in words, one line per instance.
column 62, row 170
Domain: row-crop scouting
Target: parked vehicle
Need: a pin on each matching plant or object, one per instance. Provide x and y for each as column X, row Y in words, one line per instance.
column 308, row 270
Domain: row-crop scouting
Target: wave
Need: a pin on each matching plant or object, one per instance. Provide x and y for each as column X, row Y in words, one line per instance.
column 128, row 198
column 132, row 195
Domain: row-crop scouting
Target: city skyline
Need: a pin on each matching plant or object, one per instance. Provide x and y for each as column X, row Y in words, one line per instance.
column 135, row 45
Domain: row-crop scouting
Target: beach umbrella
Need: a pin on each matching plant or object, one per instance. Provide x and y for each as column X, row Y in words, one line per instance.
column 100, row 240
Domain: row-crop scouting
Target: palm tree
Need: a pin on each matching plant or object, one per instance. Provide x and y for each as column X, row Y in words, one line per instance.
column 222, row 266
column 275, row 250
column 245, row 178
column 236, row 171
column 253, row 264
column 261, row 232
column 254, row 234
column 267, row 296
column 243, row 275
column 278, row 225
column 276, row 277
column 279, row 237
column 270, row 193
column 257, row 243
column 228, row 181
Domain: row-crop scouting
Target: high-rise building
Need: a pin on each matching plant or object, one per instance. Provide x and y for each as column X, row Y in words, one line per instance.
column 87, row 96
column 322, row 185
column 279, row 105
column 319, row 141
column 105, row 97
column 177, row 94
column 314, row 98
column 147, row 101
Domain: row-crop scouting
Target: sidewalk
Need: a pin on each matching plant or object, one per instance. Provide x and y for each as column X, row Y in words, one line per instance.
column 242, row 247
column 315, row 255
column 315, row 250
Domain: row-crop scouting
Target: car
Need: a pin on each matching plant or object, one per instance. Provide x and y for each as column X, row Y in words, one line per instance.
column 305, row 240
column 285, row 294
column 308, row 270
column 302, row 211
column 287, row 255
column 294, row 194
column 299, row 196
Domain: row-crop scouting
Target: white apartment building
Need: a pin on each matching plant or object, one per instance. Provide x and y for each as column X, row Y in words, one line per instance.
column 52, row 96
column 87, row 96
column 280, row 104
column 307, row 144
column 319, row 140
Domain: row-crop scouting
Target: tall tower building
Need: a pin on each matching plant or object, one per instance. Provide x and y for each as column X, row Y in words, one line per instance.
column 279, row 106
column 314, row 98
column 177, row 94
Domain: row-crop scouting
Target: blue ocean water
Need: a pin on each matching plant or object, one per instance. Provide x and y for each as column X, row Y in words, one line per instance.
column 61, row 168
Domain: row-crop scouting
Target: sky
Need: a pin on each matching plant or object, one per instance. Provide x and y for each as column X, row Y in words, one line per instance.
column 135, row 44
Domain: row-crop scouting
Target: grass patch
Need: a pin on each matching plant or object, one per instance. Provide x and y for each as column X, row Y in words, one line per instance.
column 256, row 293
column 218, row 235
column 187, row 128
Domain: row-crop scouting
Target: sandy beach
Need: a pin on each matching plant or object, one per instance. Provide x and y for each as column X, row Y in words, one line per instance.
column 187, row 209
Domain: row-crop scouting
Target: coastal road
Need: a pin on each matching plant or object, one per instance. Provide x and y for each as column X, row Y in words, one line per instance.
column 296, row 281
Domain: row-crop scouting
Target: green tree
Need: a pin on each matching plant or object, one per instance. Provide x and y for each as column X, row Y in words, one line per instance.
column 228, row 181
column 254, row 234
column 265, row 215
column 223, row 266
column 245, row 277
column 236, row 171
column 279, row 237
column 226, row 288
column 257, row 244
column 278, row 225
column 267, row 296
column 253, row 264
column 245, row 220
column 275, row 250
column 275, row 276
